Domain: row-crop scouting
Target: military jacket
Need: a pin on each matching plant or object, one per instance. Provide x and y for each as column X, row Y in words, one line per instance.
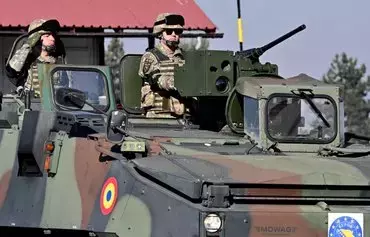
column 157, row 71
column 26, row 73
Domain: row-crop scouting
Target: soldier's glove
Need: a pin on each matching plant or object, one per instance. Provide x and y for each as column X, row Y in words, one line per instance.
column 33, row 39
column 171, row 84
column 166, row 83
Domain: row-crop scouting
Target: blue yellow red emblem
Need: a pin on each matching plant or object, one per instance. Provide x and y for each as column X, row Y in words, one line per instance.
column 345, row 225
column 108, row 195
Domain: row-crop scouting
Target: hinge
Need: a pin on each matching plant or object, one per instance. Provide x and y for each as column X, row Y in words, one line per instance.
column 56, row 154
column 216, row 196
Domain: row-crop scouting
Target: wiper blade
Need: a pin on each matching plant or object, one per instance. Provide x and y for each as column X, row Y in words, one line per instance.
column 348, row 136
column 353, row 151
column 313, row 106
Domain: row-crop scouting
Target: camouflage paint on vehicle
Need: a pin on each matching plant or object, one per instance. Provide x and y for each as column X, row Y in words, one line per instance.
column 72, row 169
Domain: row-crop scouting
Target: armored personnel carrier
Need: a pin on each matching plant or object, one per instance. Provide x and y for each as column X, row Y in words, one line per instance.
column 260, row 155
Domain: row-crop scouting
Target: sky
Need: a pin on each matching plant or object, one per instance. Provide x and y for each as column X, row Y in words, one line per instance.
column 331, row 27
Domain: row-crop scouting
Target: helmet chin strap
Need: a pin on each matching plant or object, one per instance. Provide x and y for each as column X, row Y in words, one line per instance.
column 172, row 44
column 49, row 49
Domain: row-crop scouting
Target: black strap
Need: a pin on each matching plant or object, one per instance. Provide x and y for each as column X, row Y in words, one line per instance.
column 150, row 79
column 160, row 57
column 158, row 54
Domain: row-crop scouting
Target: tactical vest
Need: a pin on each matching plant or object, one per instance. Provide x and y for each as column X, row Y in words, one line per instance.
column 33, row 83
column 166, row 68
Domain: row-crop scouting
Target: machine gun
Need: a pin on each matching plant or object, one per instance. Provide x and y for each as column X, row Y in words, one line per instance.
column 254, row 53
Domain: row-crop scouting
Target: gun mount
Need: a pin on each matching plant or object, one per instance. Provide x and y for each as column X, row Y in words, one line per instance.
column 254, row 53
column 209, row 75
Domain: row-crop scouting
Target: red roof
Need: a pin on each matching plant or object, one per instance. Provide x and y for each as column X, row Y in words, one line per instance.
column 126, row 14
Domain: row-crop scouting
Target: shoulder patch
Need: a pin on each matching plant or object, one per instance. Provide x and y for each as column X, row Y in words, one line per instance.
column 146, row 64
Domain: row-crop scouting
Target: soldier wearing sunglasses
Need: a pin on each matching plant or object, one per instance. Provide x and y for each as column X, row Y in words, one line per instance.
column 159, row 97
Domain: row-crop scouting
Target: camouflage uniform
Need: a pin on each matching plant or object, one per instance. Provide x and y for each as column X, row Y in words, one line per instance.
column 159, row 97
column 23, row 67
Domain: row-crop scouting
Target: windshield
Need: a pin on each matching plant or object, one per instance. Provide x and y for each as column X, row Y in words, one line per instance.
column 92, row 82
column 292, row 118
column 251, row 117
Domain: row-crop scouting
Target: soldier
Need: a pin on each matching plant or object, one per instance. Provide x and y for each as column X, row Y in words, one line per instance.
column 159, row 97
column 42, row 46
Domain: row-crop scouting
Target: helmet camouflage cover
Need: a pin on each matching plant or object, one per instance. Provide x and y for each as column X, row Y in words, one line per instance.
column 168, row 21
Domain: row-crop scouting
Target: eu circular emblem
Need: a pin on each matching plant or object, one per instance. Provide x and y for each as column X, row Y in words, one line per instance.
column 108, row 195
column 345, row 226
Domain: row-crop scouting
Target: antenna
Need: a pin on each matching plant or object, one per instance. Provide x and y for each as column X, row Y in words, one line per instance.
column 240, row 27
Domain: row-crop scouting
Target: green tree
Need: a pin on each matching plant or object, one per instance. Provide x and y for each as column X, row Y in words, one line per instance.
column 344, row 70
column 191, row 44
column 113, row 54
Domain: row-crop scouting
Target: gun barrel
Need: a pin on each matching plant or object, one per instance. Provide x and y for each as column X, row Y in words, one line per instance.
column 282, row 38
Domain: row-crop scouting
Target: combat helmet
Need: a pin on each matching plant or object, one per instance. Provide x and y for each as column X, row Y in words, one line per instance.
column 168, row 21
column 39, row 27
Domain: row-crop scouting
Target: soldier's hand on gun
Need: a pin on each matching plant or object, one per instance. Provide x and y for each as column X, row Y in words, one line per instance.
column 167, row 83
column 172, row 84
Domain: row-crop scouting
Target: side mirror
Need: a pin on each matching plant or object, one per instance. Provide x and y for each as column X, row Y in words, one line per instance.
column 116, row 126
column 70, row 97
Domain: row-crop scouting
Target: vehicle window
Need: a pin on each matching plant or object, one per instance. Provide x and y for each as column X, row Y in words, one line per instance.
column 251, row 117
column 93, row 83
column 293, row 119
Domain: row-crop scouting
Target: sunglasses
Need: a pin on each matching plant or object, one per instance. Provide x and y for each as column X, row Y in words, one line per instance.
column 177, row 31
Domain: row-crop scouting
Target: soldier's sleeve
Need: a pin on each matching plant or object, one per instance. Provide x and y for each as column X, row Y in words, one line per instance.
column 17, row 67
column 147, row 70
column 18, row 60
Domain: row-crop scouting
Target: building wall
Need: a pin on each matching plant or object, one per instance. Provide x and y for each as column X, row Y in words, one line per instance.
column 79, row 51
